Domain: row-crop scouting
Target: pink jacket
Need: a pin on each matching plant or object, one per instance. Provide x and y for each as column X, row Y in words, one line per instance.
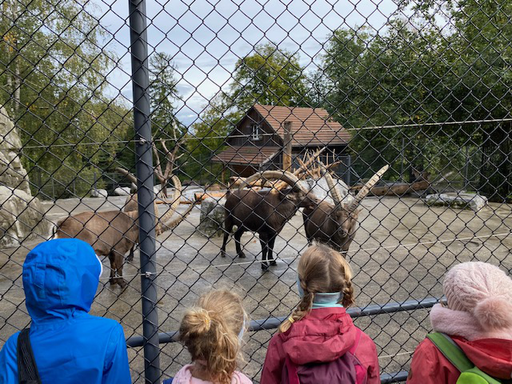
column 323, row 335
column 184, row 376
column 491, row 351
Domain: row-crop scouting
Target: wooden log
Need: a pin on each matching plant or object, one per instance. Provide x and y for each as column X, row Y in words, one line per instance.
column 200, row 196
column 396, row 189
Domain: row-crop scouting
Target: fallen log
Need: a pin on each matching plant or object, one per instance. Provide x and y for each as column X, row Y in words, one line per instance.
column 200, row 196
column 395, row 189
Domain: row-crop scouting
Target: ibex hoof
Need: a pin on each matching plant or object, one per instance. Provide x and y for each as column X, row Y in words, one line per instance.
column 222, row 253
column 264, row 267
column 241, row 255
column 119, row 281
column 273, row 263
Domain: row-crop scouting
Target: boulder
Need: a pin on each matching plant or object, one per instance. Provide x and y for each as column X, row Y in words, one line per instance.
column 122, row 191
column 211, row 220
column 21, row 218
column 457, row 200
column 99, row 193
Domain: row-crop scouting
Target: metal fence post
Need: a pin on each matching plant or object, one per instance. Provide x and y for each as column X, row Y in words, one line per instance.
column 141, row 103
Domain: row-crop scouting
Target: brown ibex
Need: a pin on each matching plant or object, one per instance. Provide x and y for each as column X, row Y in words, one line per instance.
column 336, row 225
column 131, row 204
column 110, row 233
column 265, row 212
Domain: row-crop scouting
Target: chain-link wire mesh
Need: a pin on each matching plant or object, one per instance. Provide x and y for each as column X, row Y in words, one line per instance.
column 236, row 88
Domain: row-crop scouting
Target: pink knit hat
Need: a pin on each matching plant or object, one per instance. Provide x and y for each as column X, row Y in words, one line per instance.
column 483, row 290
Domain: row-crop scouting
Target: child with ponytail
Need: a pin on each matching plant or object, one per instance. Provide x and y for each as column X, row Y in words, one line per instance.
column 319, row 343
column 212, row 332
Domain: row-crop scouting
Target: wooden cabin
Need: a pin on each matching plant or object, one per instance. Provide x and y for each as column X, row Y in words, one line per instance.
column 257, row 142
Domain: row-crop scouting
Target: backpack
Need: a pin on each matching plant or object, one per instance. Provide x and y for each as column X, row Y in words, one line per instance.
column 346, row 369
column 469, row 373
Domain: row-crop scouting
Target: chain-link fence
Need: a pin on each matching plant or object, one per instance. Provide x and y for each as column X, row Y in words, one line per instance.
column 218, row 91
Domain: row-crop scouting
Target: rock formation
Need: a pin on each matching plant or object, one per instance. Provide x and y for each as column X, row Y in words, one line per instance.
column 21, row 214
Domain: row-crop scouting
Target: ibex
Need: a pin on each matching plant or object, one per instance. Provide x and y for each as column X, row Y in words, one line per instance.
column 131, row 204
column 336, row 225
column 265, row 212
column 113, row 233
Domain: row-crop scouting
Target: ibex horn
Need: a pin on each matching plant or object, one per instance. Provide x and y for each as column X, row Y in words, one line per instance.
column 367, row 187
column 176, row 200
column 332, row 188
column 285, row 176
column 174, row 223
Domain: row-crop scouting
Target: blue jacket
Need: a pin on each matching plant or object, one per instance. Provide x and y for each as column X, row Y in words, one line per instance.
column 60, row 278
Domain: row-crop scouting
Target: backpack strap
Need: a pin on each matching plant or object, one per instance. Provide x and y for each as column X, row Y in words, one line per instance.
column 451, row 351
column 293, row 375
column 27, row 368
column 457, row 357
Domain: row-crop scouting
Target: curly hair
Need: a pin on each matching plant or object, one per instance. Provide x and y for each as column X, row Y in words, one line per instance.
column 321, row 270
column 210, row 332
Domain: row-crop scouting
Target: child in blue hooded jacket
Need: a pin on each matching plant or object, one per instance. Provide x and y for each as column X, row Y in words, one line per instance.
column 60, row 278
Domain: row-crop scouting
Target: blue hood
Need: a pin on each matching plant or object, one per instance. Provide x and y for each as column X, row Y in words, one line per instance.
column 60, row 277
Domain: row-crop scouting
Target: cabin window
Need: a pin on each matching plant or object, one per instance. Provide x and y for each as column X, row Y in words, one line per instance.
column 256, row 132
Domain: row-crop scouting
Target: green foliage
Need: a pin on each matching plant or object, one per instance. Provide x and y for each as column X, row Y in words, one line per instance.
column 52, row 80
column 270, row 76
column 163, row 94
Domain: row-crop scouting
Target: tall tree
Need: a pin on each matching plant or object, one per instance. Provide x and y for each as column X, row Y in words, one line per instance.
column 163, row 94
column 270, row 76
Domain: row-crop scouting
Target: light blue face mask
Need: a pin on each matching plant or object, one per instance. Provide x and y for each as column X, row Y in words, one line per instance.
column 101, row 265
column 323, row 300
column 241, row 333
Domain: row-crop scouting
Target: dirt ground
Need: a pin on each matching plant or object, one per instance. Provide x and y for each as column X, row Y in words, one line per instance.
column 401, row 251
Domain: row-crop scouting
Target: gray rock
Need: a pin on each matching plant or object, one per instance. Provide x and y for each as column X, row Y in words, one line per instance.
column 211, row 220
column 457, row 200
column 122, row 191
column 21, row 218
column 99, row 193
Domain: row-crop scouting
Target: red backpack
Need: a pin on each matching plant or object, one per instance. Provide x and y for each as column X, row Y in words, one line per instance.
column 347, row 370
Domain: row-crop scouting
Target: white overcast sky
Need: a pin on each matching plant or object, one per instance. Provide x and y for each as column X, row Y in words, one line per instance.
column 206, row 38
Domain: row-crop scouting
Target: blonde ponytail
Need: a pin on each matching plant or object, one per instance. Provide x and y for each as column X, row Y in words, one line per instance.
column 303, row 308
column 210, row 333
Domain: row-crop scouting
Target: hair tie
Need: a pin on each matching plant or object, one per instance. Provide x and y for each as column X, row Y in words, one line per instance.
column 207, row 321
column 290, row 319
